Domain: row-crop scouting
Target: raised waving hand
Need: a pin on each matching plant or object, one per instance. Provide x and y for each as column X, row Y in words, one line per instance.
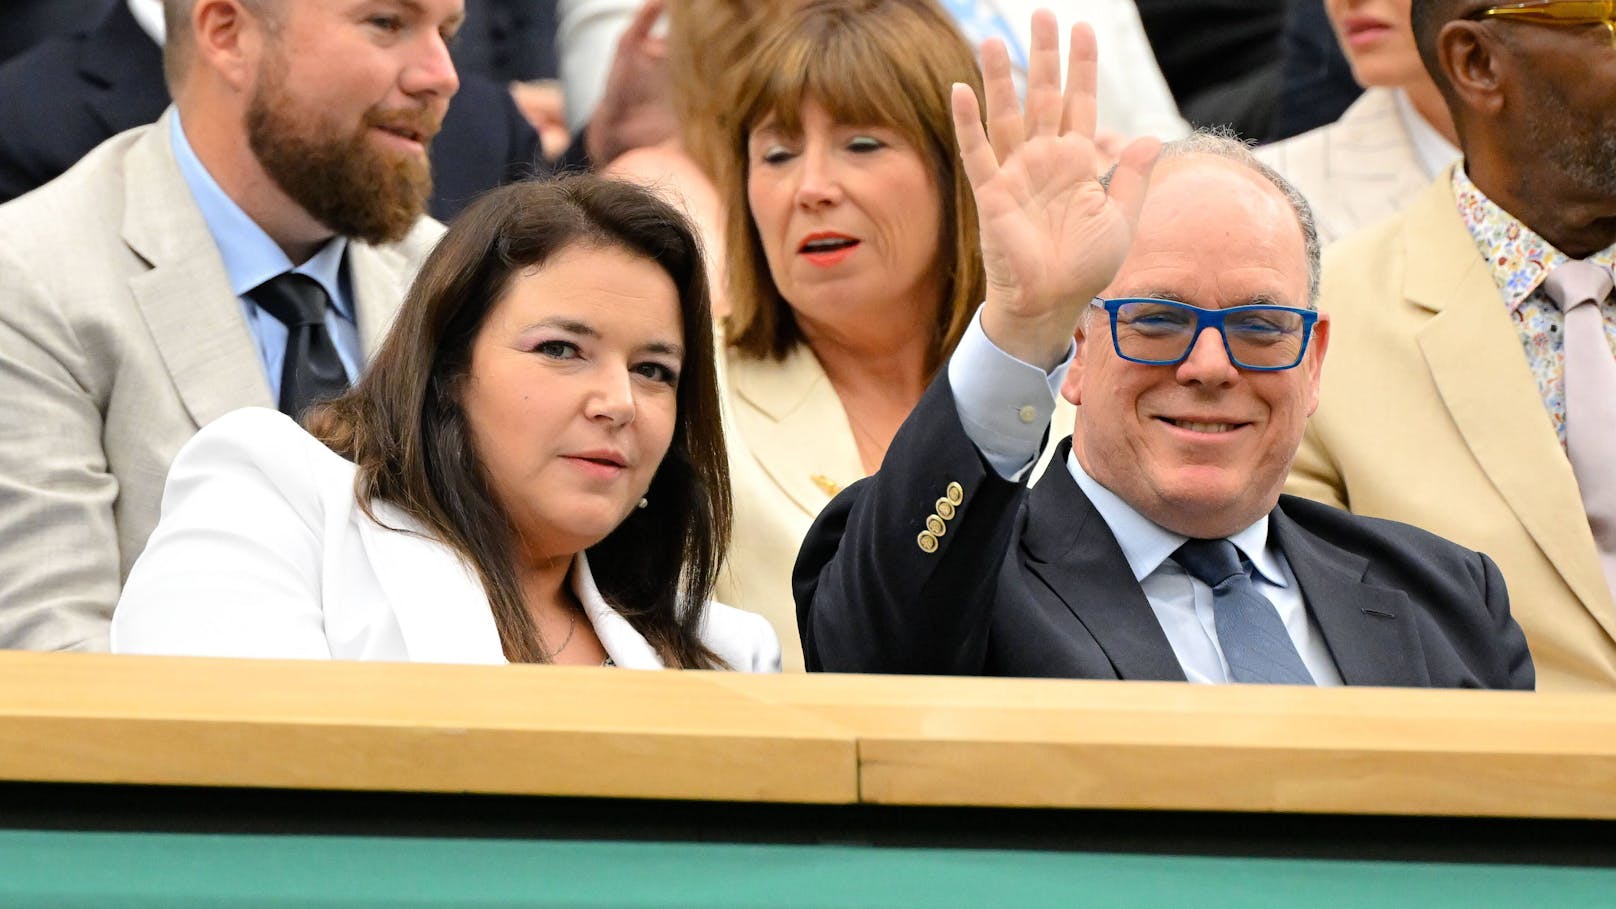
column 1052, row 236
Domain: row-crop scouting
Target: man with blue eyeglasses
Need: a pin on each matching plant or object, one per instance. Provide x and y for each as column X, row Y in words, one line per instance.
column 1157, row 546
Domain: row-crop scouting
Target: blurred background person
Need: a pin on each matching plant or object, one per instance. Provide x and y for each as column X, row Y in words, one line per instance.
column 1134, row 97
column 532, row 470
column 1393, row 141
column 854, row 265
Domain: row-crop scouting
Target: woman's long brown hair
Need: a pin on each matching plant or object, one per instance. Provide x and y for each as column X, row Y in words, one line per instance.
column 404, row 427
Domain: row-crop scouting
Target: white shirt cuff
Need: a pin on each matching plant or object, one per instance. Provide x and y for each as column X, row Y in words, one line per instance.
column 1005, row 404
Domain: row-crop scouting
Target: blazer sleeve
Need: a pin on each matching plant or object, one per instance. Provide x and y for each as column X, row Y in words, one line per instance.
column 1511, row 640
column 234, row 567
column 59, row 565
column 869, row 597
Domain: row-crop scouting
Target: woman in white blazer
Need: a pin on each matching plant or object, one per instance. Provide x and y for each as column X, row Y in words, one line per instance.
column 532, row 470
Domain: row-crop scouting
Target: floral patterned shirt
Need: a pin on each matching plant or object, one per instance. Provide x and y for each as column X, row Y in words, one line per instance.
column 1520, row 260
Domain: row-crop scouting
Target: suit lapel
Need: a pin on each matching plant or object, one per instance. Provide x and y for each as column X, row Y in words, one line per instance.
column 1474, row 354
column 377, row 276
column 126, row 68
column 1369, row 629
column 789, row 418
column 1067, row 545
column 185, row 297
column 440, row 604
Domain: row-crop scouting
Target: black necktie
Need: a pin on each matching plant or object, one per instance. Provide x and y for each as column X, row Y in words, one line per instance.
column 1252, row 636
column 311, row 370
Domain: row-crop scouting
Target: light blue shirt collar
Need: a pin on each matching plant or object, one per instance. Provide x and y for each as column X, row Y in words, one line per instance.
column 250, row 256
column 1146, row 544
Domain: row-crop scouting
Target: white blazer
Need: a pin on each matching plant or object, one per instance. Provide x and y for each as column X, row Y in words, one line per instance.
column 262, row 551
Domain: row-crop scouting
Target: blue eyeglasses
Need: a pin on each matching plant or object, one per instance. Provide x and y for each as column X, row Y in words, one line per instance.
column 1163, row 332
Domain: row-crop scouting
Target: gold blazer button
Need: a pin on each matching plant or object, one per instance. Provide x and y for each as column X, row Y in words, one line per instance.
column 927, row 541
column 945, row 509
column 956, row 493
column 936, row 525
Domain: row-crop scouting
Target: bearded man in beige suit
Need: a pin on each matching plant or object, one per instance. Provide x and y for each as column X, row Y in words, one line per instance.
column 132, row 288
column 1445, row 404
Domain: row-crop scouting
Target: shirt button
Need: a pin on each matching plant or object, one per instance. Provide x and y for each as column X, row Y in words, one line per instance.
column 1028, row 413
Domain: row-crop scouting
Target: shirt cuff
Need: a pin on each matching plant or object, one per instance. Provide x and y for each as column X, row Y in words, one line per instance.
column 1005, row 404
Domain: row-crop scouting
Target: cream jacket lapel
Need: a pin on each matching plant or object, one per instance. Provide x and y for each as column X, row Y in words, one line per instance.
column 185, row 299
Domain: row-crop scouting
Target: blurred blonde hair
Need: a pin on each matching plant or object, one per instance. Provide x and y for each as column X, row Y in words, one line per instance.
column 867, row 62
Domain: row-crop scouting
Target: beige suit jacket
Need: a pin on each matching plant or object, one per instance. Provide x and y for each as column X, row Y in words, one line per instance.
column 1430, row 415
column 119, row 338
column 791, row 450
column 1356, row 171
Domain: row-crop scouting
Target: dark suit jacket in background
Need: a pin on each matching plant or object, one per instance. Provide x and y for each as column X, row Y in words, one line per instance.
column 1035, row 584
column 1220, row 57
column 1316, row 85
column 70, row 93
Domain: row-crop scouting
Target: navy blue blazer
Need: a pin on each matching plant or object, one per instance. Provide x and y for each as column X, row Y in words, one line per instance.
column 70, row 93
column 1034, row 583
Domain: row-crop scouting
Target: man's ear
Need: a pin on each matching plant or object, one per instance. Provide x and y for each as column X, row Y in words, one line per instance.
column 1072, row 385
column 229, row 40
column 1472, row 61
column 1315, row 360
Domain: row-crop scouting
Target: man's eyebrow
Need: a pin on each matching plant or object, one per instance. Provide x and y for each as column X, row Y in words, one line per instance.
column 1169, row 295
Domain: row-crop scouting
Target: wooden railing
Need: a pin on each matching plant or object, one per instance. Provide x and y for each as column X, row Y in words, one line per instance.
column 521, row 730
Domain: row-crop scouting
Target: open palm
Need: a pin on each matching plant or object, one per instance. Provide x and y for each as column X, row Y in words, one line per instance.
column 1052, row 235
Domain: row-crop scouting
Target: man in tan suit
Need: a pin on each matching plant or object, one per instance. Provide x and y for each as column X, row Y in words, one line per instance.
column 132, row 307
column 1445, row 403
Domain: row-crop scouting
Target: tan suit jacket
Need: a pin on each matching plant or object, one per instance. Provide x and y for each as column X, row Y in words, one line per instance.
column 1356, row 171
column 791, row 450
column 119, row 338
column 1430, row 415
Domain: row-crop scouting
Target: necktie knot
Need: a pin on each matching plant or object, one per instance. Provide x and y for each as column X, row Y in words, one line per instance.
column 294, row 300
column 311, row 367
column 1577, row 282
column 1212, row 562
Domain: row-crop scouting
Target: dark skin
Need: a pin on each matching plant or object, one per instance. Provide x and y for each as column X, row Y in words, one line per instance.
column 1494, row 74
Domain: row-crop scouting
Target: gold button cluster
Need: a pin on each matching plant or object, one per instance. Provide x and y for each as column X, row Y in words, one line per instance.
column 937, row 522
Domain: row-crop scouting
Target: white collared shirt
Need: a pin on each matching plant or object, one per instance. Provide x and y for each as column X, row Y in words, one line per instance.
column 993, row 392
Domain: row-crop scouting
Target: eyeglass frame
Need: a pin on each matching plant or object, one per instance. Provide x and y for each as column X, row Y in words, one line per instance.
column 1205, row 319
column 1543, row 13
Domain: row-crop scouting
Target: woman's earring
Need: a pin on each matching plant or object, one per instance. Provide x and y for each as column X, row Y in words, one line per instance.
column 643, row 502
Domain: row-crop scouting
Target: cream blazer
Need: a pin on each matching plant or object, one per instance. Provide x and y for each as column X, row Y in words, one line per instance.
column 1361, row 169
column 791, row 450
column 263, row 551
column 119, row 338
column 1430, row 416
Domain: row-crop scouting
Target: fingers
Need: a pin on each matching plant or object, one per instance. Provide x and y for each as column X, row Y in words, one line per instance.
column 1132, row 176
column 975, row 153
column 1005, row 127
column 1082, row 77
column 1043, row 76
column 644, row 19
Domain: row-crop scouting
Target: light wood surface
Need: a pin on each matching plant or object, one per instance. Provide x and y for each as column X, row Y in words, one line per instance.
column 798, row 738
column 412, row 727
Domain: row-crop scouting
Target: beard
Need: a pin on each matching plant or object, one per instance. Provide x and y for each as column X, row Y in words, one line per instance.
column 341, row 179
column 1585, row 155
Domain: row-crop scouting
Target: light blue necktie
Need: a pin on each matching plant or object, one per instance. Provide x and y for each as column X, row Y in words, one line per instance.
column 1253, row 638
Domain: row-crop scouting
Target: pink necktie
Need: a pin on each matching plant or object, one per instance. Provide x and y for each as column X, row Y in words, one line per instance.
column 1590, row 394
